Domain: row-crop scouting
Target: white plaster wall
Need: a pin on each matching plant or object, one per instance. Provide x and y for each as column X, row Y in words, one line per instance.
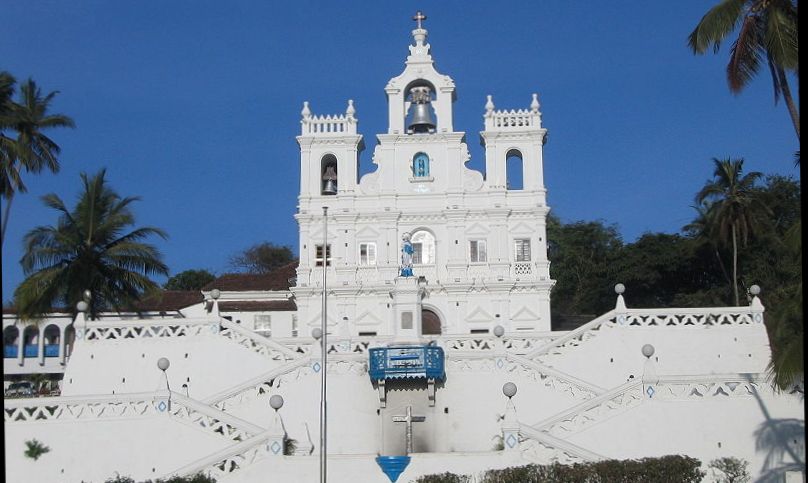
column 695, row 427
column 614, row 353
column 206, row 363
column 92, row 451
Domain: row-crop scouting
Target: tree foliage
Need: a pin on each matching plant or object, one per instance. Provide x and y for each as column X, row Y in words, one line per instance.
column 261, row 258
column 189, row 280
column 88, row 249
column 768, row 34
column 24, row 146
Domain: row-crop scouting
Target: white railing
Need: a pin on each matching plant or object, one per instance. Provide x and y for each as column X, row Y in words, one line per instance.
column 97, row 330
column 637, row 318
column 337, row 124
column 512, row 120
column 544, row 448
column 521, row 269
column 705, row 317
column 228, row 460
column 703, row 387
column 593, row 411
column 134, row 405
column 257, row 343
column 286, row 374
column 553, row 378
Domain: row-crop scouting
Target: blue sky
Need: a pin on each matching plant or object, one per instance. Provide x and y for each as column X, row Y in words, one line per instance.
column 194, row 105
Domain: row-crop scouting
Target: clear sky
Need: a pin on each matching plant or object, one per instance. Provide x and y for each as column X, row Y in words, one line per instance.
column 194, row 105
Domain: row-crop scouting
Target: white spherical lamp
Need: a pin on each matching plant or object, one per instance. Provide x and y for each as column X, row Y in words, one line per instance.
column 317, row 333
column 619, row 289
column 648, row 350
column 509, row 389
column 499, row 331
column 163, row 363
column 276, row 401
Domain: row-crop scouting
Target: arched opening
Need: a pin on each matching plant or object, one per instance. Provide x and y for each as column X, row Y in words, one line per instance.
column 52, row 336
column 430, row 322
column 30, row 340
column 328, row 175
column 423, row 246
column 11, row 337
column 70, row 337
column 420, row 165
column 420, row 116
column 514, row 170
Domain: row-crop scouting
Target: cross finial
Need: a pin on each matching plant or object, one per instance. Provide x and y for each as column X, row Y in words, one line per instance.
column 419, row 16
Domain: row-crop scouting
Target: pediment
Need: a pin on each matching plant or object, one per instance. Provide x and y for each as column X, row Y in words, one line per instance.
column 479, row 314
column 368, row 233
column 522, row 229
column 368, row 318
column 316, row 321
column 524, row 314
column 477, row 229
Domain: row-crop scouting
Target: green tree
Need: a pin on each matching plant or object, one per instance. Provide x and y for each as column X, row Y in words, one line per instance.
column 189, row 280
column 582, row 256
column 261, row 258
column 88, row 249
column 732, row 207
column 29, row 149
column 767, row 29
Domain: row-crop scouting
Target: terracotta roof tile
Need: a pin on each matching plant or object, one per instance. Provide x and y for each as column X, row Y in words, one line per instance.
column 257, row 305
column 276, row 280
column 169, row 300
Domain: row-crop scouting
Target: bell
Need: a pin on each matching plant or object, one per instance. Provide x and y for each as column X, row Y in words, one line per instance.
column 330, row 181
column 421, row 111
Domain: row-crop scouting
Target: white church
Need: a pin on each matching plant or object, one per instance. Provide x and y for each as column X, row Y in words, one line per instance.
column 432, row 283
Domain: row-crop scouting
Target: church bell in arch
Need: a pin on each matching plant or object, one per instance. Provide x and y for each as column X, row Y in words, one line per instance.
column 421, row 110
column 329, row 181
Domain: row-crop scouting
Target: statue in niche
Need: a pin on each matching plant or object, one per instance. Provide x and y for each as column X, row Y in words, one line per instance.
column 406, row 255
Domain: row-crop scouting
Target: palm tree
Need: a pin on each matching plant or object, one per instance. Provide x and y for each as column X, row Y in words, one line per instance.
column 30, row 150
column 733, row 207
column 88, row 249
column 766, row 29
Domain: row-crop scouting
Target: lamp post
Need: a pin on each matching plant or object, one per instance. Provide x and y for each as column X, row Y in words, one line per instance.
column 324, row 353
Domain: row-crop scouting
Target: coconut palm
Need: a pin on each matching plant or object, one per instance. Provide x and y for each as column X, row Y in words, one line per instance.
column 29, row 149
column 767, row 32
column 733, row 207
column 89, row 248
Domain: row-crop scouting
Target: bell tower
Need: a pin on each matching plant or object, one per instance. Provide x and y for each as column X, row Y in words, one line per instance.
column 329, row 153
column 410, row 95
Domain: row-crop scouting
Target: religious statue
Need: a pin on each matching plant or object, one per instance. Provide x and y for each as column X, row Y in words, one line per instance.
column 406, row 256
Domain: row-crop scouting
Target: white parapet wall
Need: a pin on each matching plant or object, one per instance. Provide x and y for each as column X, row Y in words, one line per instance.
column 592, row 393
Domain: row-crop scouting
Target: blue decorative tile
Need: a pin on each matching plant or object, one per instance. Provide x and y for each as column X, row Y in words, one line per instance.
column 650, row 391
column 162, row 406
column 276, row 447
column 500, row 363
column 511, row 441
column 316, row 367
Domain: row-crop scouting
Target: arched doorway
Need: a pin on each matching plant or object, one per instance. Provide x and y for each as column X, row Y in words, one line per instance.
column 11, row 336
column 430, row 322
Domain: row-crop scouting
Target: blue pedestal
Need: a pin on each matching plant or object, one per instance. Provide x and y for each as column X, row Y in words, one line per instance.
column 393, row 466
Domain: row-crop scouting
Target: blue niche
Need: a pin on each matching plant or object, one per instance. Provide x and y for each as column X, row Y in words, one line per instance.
column 420, row 165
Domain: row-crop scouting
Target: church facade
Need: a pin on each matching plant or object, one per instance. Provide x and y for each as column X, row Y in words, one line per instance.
column 439, row 352
column 480, row 248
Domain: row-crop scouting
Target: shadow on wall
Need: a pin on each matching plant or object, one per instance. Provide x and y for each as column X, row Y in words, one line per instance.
column 783, row 441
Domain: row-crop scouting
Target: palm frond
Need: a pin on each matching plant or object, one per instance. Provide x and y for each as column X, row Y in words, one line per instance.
column 716, row 24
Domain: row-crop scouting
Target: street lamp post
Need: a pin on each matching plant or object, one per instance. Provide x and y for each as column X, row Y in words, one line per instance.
column 324, row 351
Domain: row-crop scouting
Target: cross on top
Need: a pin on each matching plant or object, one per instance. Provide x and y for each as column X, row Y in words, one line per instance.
column 419, row 16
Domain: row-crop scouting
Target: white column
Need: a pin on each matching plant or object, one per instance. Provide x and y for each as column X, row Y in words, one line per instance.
column 41, row 346
column 20, row 346
column 62, row 344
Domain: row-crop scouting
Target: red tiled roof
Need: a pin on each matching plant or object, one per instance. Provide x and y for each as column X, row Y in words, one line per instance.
column 257, row 306
column 169, row 300
column 276, row 280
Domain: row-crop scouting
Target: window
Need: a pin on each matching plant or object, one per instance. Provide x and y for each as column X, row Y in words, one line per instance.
column 367, row 254
column 294, row 325
column 477, row 252
column 318, row 256
column 522, row 249
column 423, row 246
column 420, row 166
column 263, row 324
column 514, row 170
